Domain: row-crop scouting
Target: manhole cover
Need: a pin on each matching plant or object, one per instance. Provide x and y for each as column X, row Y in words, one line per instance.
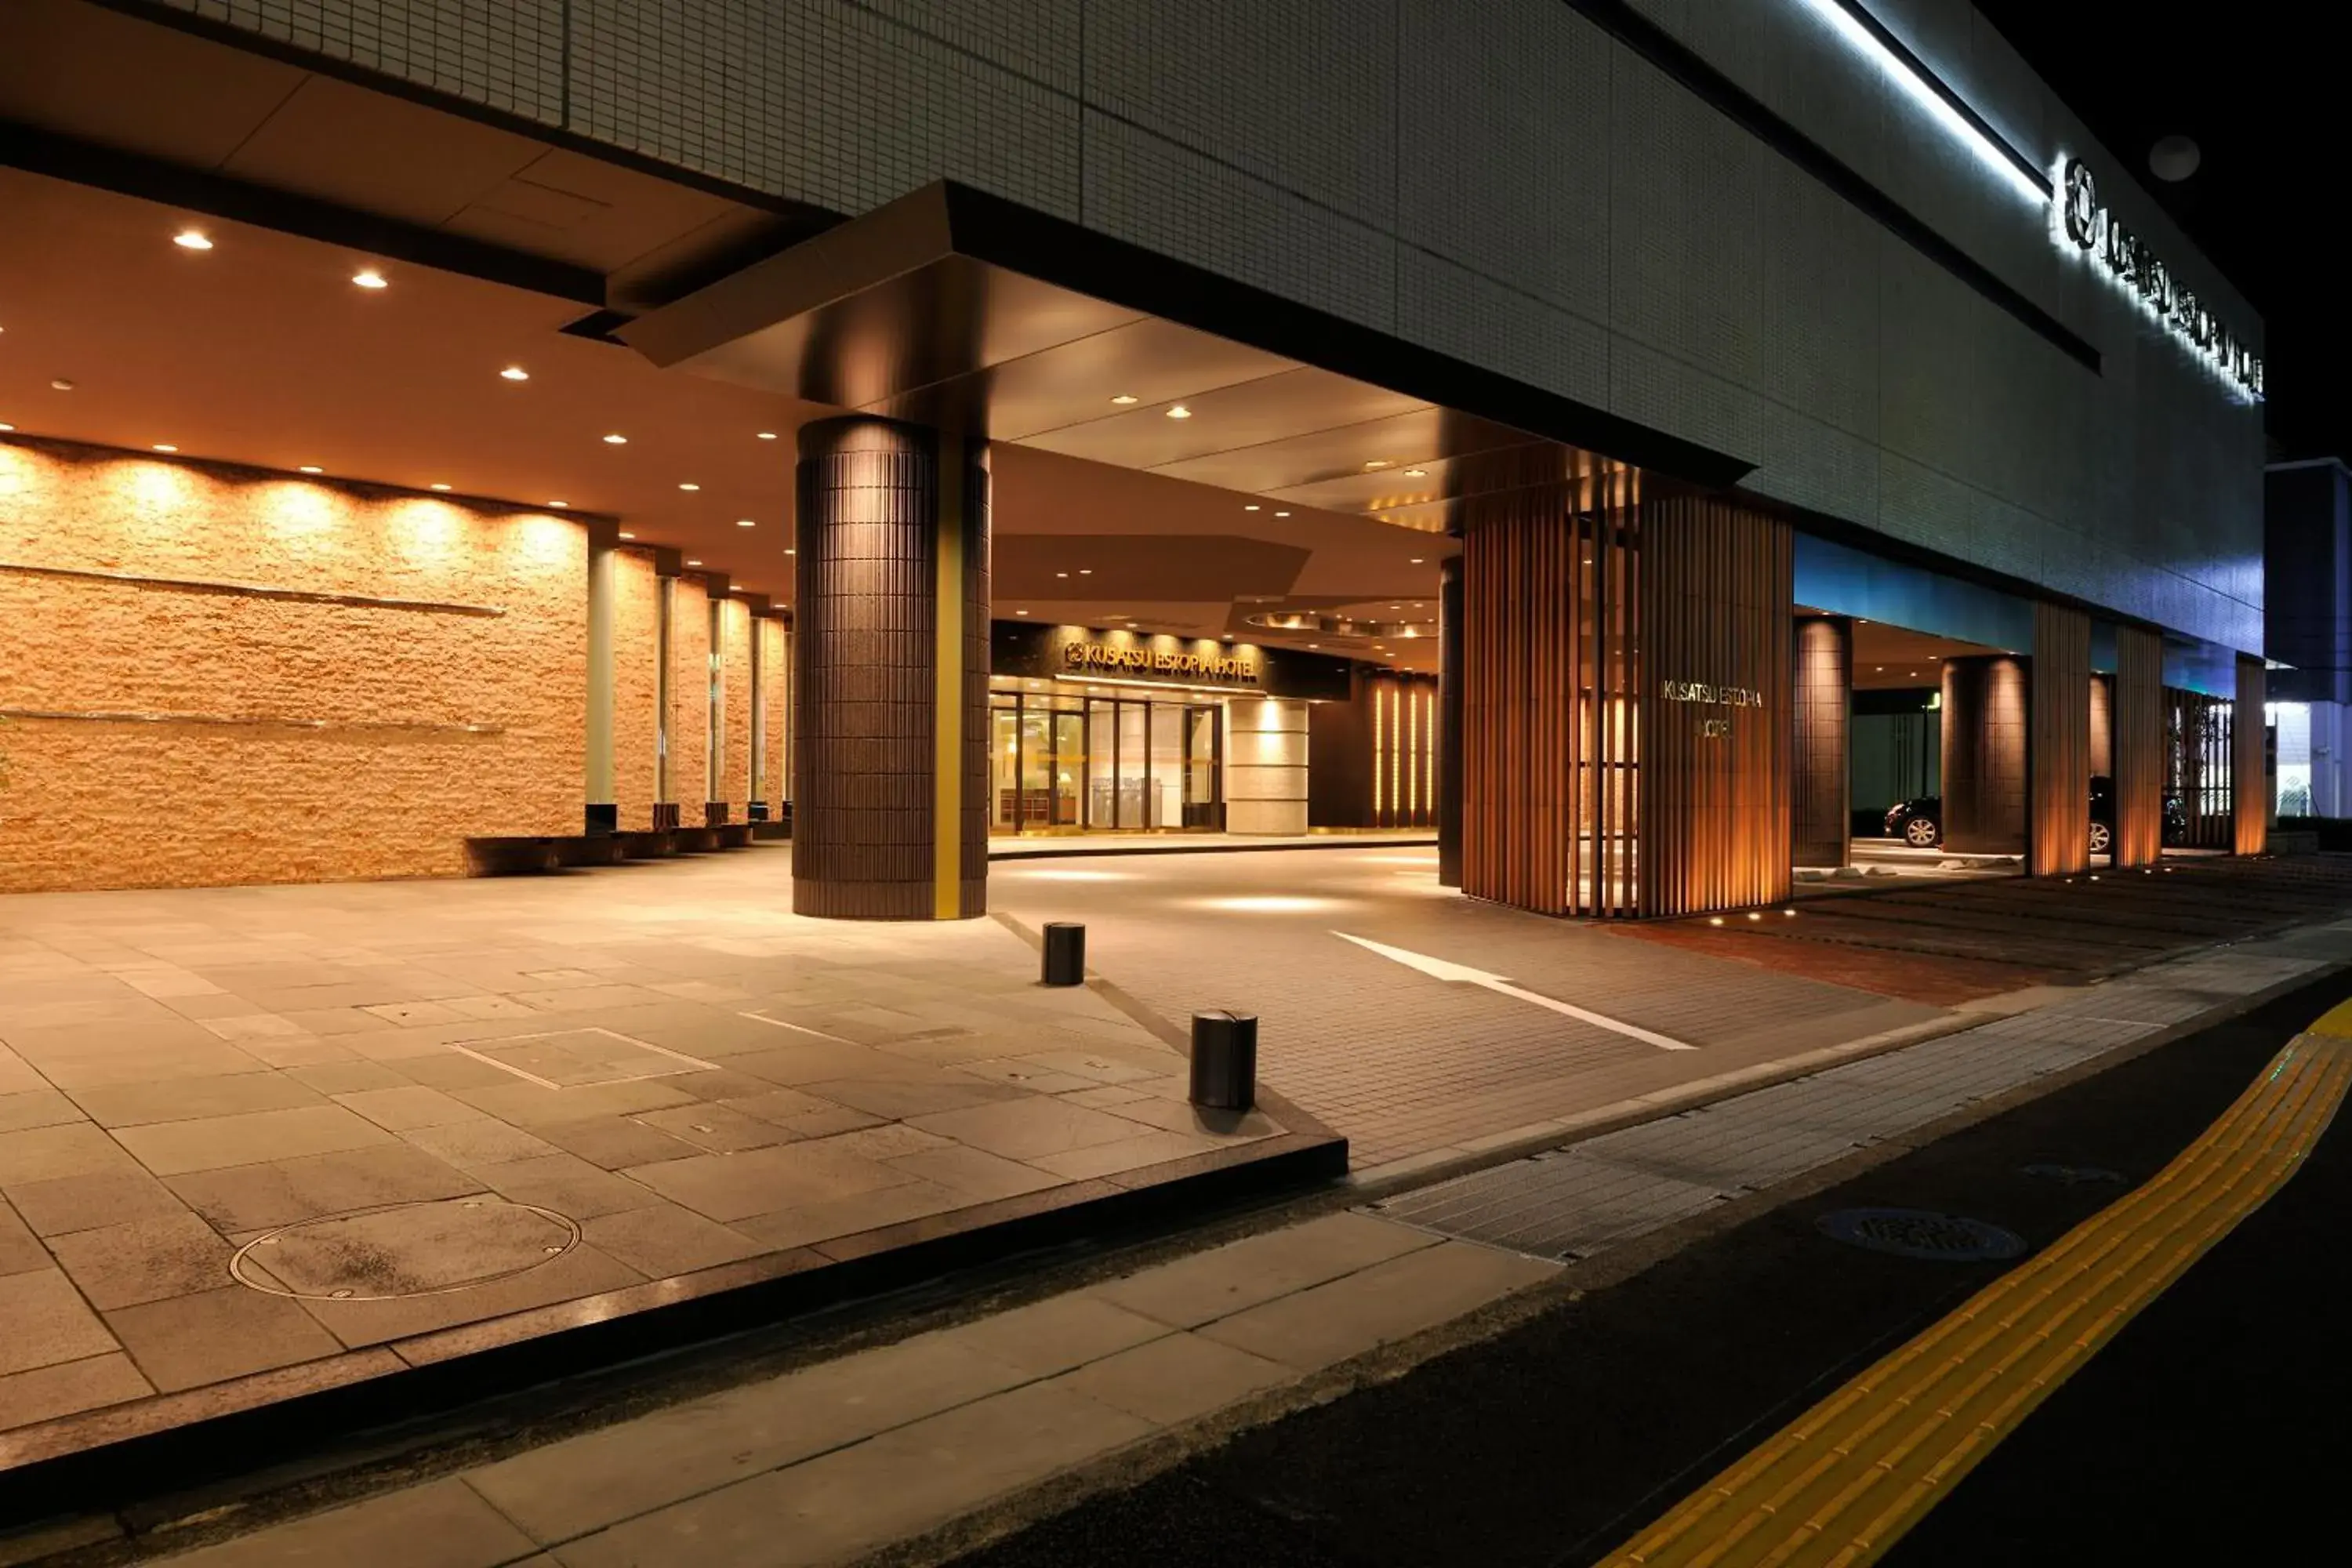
column 1922, row 1233
column 408, row 1249
column 2075, row 1176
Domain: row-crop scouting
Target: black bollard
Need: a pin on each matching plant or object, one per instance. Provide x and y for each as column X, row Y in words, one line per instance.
column 1066, row 953
column 1225, row 1061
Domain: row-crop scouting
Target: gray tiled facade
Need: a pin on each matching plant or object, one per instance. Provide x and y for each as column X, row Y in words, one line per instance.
column 1508, row 183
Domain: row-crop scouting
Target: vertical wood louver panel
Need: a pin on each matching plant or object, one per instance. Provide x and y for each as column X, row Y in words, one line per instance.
column 2249, row 761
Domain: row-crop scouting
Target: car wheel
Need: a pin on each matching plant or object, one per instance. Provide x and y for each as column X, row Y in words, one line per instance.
column 1921, row 833
column 2103, row 839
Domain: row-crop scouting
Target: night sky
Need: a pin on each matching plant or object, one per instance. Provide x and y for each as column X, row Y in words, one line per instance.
column 2261, row 89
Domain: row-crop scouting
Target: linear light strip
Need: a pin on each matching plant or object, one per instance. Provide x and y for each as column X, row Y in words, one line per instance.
column 1869, row 37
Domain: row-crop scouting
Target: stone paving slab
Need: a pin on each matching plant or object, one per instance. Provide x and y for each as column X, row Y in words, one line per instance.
column 256, row 1141
column 826, row 1462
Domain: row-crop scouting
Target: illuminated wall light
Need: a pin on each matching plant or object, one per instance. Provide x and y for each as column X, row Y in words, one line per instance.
column 370, row 278
column 1863, row 34
column 191, row 239
column 1379, row 743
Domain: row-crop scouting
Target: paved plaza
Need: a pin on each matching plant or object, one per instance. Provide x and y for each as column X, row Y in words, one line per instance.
column 256, row 1141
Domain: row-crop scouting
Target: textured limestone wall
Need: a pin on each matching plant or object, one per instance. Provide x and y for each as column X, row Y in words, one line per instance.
column 735, row 707
column 217, row 675
column 689, row 699
column 776, row 682
column 636, row 684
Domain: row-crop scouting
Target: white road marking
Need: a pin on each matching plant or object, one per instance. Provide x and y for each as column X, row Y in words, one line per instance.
column 1463, row 975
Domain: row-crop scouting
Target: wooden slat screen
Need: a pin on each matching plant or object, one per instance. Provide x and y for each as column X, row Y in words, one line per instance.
column 1549, row 745
column 2138, row 694
column 2249, row 761
column 1716, row 605
column 2058, row 830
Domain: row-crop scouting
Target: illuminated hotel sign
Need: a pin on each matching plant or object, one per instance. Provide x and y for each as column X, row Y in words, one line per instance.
column 1716, row 695
column 2129, row 259
column 1148, row 663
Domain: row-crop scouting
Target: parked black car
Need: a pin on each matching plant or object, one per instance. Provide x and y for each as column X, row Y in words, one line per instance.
column 1920, row 822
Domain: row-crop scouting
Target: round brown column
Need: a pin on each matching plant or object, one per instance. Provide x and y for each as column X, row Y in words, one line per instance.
column 890, row 664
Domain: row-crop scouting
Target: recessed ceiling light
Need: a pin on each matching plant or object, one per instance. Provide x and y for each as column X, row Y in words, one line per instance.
column 6, row 425
column 626, row 535
column 1252, row 507
column 689, row 485
column 789, row 551
column 1315, row 645
column 1179, row 412
column 313, row 469
column 191, row 239
column 370, row 278
column 1412, row 560
column 745, row 523
column 616, row 439
column 61, row 385
column 440, row 487
column 1282, row 514
column 515, row 373
column 1124, row 399
column 1085, row 570
column 1416, row 473
column 1020, row 611
column 694, row 564
column 767, row 434
column 1061, row 573
column 558, row 505
column 1377, row 463
column 165, row 447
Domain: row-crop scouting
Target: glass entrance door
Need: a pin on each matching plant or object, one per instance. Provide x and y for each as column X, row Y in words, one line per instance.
column 1105, row 764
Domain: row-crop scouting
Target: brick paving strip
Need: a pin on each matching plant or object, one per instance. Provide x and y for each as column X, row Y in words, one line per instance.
column 919, row 1449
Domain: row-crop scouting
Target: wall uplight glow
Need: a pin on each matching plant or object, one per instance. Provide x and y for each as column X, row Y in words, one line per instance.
column 1864, row 35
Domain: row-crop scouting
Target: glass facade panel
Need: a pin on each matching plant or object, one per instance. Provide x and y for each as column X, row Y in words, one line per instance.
column 1067, row 763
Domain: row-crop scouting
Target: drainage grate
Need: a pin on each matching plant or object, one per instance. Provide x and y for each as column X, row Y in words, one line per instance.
column 1922, row 1233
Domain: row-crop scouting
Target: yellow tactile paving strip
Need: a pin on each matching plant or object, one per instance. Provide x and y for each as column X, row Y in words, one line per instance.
column 1840, row 1484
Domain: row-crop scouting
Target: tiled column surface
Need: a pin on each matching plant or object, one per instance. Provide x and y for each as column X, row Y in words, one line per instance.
column 2138, row 745
column 1985, row 702
column 2059, row 750
column 1265, row 765
column 891, row 758
column 1449, row 723
column 636, row 682
column 2249, row 770
column 1823, row 719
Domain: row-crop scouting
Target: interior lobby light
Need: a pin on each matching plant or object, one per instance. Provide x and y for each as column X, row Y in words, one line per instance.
column 515, row 373
column 767, row 434
column 789, row 551
column 694, row 564
column 6, row 427
column 191, row 239
column 626, row 535
column 1412, row 560
column 689, row 485
column 313, row 469
column 165, row 447
column 616, row 439
column 1375, row 463
column 1282, row 514
column 439, row 487
column 1125, row 398
column 558, row 505
column 1085, row 570
column 1416, row 473
column 1020, row 611
column 1061, row 573
column 1179, row 412
column 370, row 278
column 745, row 523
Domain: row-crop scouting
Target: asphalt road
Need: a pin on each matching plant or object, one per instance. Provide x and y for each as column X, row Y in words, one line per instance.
column 2212, row 1425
